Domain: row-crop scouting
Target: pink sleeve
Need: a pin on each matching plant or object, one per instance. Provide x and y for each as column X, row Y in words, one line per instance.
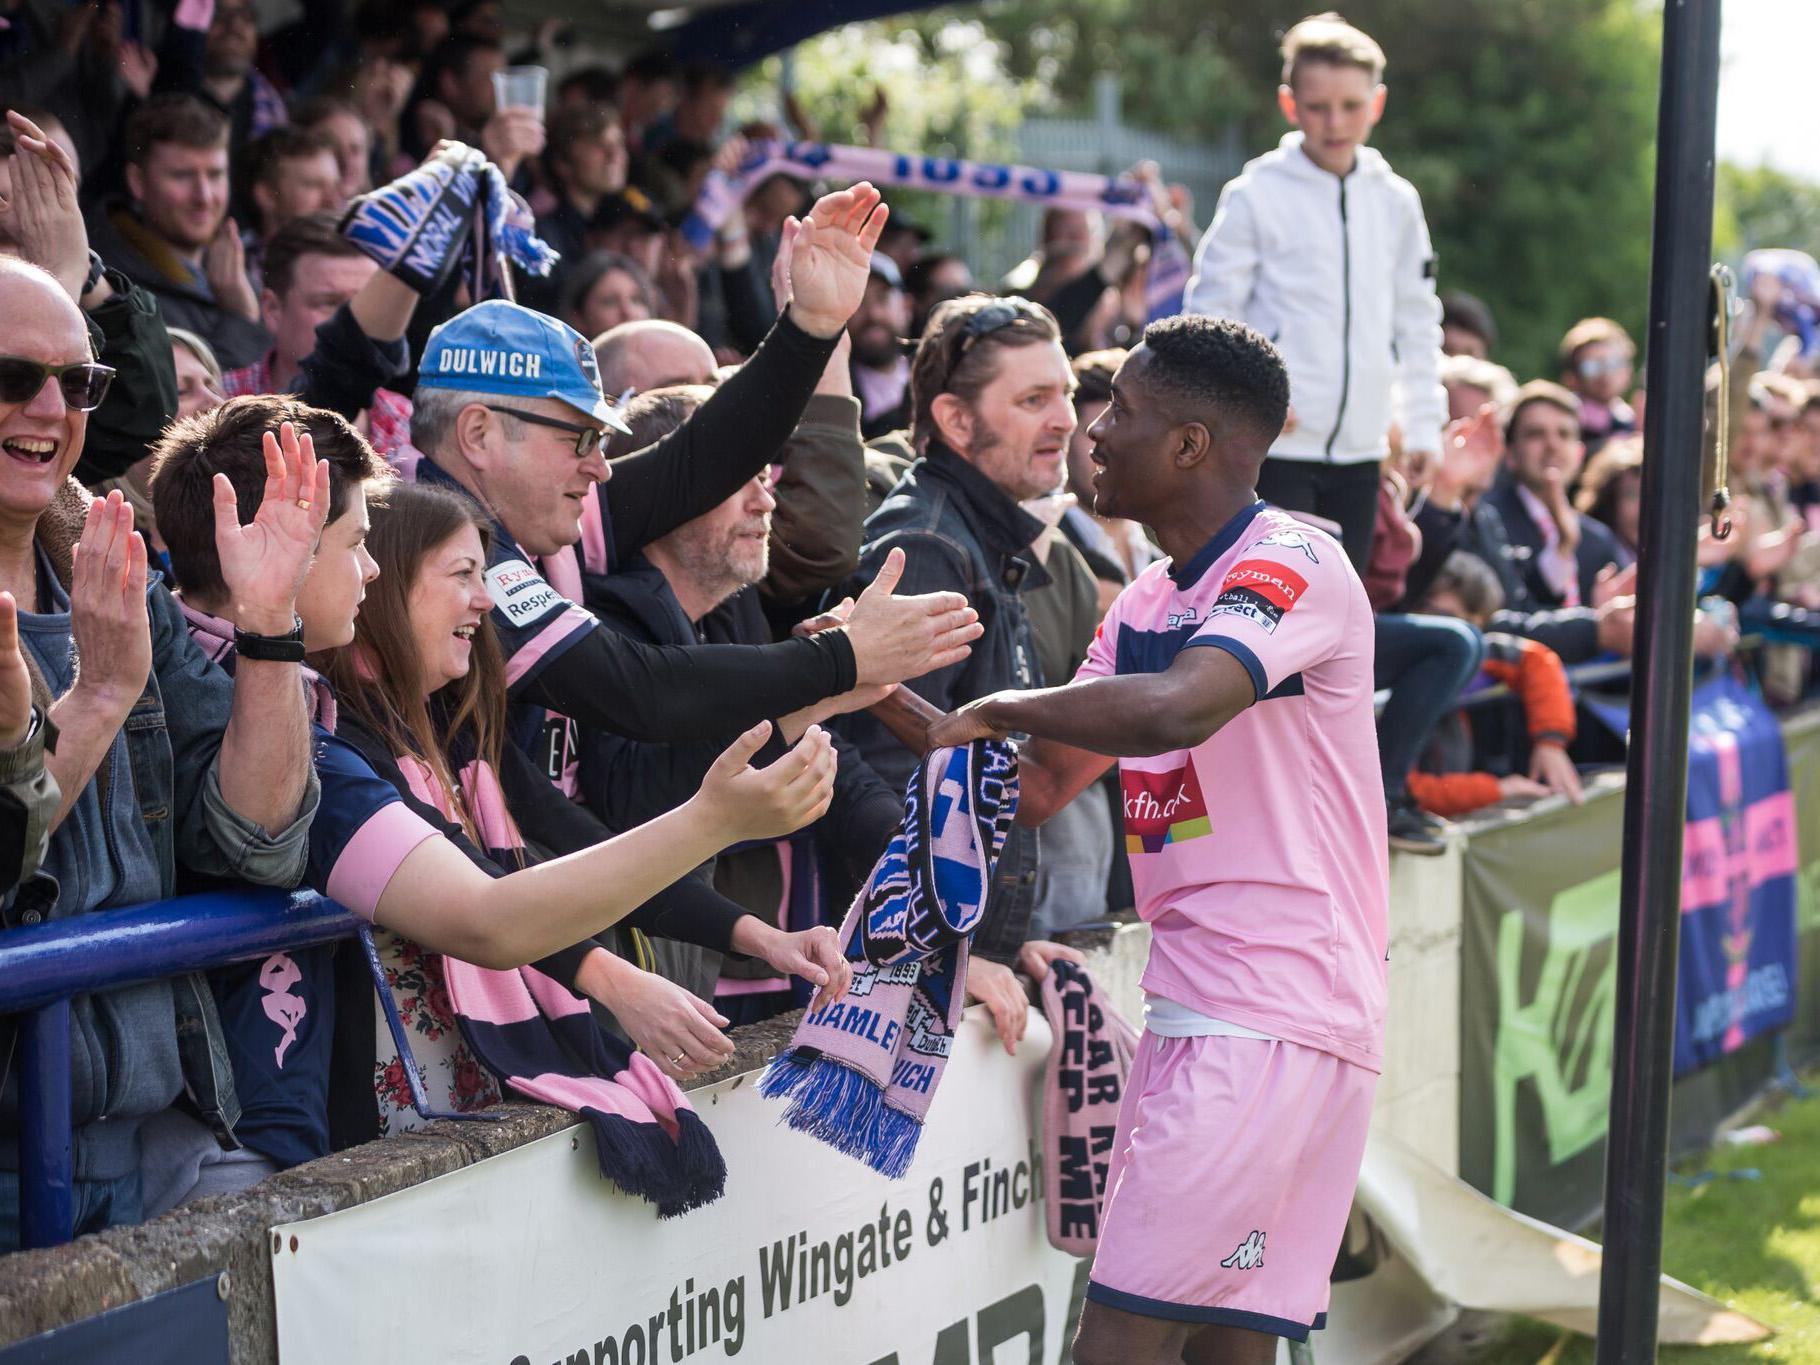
column 368, row 860
column 1278, row 613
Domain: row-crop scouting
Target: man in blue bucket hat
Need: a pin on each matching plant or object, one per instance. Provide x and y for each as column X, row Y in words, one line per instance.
column 509, row 407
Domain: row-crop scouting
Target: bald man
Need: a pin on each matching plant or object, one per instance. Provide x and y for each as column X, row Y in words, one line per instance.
column 652, row 354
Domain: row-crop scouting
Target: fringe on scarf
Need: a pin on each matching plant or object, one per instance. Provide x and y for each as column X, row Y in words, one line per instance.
column 842, row 1107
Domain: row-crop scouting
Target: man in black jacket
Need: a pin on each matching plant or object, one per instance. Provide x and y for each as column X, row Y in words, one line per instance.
column 700, row 585
column 991, row 416
column 1457, row 515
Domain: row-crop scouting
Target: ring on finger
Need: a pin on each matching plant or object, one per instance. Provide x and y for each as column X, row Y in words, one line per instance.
column 679, row 1059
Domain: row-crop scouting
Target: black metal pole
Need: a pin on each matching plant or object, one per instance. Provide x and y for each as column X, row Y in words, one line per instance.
column 1656, row 793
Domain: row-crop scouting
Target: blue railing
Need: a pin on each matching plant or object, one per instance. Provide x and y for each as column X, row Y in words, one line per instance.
column 43, row 965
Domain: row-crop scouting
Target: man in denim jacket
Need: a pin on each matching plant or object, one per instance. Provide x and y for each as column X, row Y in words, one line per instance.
column 159, row 758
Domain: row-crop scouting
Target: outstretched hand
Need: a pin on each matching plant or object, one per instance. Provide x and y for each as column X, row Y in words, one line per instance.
column 832, row 258
column 963, row 725
column 265, row 562
column 743, row 802
column 897, row 638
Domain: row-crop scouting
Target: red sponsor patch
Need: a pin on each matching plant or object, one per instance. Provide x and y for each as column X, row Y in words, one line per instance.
column 1276, row 583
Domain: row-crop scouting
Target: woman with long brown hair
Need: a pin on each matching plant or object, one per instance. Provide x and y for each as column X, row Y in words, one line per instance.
column 422, row 704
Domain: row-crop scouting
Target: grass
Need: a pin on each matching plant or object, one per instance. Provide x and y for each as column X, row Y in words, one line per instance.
column 1754, row 1244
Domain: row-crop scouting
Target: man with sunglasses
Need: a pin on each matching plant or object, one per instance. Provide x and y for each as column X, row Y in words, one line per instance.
column 991, row 417
column 211, row 774
column 1598, row 361
column 509, row 407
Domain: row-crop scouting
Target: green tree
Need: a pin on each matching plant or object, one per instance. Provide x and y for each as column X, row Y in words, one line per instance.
column 1527, row 125
column 1762, row 206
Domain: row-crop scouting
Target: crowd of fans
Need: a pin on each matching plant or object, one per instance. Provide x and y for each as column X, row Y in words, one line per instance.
column 357, row 607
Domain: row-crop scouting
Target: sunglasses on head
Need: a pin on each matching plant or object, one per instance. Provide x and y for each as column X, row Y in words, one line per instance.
column 83, row 384
column 994, row 317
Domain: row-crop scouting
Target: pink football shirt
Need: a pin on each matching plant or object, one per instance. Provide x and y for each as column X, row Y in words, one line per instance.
column 1259, row 857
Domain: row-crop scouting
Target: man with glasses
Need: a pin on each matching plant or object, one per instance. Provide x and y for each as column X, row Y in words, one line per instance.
column 991, row 404
column 1598, row 362
column 509, row 407
column 211, row 774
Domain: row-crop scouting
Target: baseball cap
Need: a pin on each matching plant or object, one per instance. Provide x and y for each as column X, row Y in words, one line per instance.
column 506, row 348
column 886, row 269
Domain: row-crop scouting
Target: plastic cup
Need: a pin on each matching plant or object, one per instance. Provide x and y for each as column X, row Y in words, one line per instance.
column 520, row 87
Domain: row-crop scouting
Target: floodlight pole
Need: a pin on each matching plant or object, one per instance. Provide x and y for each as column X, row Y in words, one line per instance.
column 1661, row 686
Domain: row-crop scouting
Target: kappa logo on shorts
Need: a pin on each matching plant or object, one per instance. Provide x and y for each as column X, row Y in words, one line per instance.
column 1249, row 1255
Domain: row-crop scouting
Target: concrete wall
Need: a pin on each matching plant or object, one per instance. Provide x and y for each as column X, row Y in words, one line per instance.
column 40, row 1290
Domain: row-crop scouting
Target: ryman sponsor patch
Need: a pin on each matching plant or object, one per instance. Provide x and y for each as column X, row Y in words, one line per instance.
column 1259, row 591
column 520, row 592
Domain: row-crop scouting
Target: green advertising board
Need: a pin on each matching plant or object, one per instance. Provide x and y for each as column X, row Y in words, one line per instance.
column 1537, row 987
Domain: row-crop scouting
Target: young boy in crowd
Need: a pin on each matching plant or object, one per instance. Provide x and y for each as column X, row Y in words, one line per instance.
column 1323, row 249
column 1468, row 588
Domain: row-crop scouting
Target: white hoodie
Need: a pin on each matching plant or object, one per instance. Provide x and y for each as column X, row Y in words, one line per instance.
column 1339, row 273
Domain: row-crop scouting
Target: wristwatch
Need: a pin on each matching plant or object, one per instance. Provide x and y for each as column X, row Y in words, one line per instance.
column 95, row 271
column 278, row 649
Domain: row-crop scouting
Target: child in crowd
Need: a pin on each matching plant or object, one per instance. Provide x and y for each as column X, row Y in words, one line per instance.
column 1468, row 588
column 1323, row 248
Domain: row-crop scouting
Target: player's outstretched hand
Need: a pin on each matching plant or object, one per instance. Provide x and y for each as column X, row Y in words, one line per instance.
column 964, row 725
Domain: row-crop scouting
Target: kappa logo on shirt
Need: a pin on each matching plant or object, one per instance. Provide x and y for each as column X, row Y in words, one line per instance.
column 1163, row 808
column 1259, row 591
column 1290, row 540
column 1248, row 1255
column 520, row 592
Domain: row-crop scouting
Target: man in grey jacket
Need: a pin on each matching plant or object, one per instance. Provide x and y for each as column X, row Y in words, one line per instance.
column 159, row 758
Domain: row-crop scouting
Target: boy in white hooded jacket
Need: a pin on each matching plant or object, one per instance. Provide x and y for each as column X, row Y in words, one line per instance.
column 1320, row 246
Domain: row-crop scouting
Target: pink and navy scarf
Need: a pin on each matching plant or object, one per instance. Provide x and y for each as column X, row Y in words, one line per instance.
column 539, row 1037
column 860, row 1073
column 1083, row 1087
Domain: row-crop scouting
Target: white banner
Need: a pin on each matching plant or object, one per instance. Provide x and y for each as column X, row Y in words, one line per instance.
column 532, row 1259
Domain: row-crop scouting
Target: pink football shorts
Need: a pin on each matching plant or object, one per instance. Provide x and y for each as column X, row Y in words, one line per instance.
column 1230, row 1182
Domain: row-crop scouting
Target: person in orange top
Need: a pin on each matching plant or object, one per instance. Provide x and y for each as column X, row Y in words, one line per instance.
column 1468, row 588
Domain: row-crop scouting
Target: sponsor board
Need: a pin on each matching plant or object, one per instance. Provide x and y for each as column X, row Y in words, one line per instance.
column 530, row 1258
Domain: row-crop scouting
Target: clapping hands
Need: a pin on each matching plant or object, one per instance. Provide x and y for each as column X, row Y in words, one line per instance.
column 264, row 562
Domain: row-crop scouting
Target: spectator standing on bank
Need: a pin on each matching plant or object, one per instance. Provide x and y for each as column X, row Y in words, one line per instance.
column 1322, row 247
